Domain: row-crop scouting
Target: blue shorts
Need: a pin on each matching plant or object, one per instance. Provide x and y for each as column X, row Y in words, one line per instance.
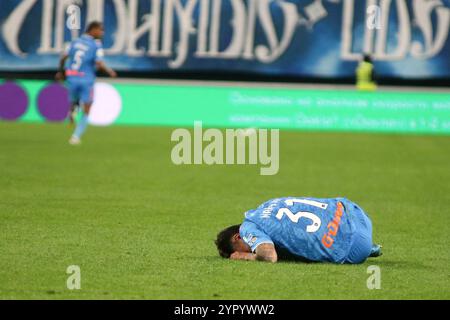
column 80, row 90
column 362, row 238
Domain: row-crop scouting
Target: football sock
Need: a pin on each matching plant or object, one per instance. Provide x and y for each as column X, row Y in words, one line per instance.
column 81, row 127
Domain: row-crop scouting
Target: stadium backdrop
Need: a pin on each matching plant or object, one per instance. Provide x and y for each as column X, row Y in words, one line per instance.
column 301, row 38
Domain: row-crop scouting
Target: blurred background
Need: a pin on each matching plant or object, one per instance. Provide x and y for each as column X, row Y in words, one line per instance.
column 241, row 60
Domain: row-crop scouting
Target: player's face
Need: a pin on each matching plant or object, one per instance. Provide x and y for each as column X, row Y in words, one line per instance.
column 239, row 245
column 98, row 33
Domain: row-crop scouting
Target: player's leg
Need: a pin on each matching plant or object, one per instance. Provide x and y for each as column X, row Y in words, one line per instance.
column 74, row 96
column 376, row 248
column 362, row 244
column 82, row 125
column 86, row 99
column 74, row 106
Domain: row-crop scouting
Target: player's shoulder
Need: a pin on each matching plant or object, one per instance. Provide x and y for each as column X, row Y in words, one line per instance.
column 248, row 225
column 98, row 43
column 90, row 40
column 74, row 42
column 273, row 201
column 95, row 43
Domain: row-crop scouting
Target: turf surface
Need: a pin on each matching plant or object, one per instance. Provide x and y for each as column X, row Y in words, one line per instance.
column 141, row 227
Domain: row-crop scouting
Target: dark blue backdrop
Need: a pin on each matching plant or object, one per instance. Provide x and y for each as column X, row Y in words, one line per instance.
column 315, row 49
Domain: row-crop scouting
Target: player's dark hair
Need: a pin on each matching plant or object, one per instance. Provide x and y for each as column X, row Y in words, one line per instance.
column 94, row 25
column 223, row 241
column 367, row 58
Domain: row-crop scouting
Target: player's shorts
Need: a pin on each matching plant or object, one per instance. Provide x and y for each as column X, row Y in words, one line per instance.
column 362, row 238
column 80, row 90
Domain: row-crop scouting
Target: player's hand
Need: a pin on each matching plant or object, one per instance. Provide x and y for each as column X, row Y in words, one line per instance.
column 112, row 74
column 236, row 255
column 241, row 256
column 60, row 76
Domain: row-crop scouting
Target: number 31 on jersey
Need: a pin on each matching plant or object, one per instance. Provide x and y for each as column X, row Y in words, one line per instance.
column 295, row 217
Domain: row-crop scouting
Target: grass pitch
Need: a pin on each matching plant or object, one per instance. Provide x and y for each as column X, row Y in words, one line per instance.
column 140, row 227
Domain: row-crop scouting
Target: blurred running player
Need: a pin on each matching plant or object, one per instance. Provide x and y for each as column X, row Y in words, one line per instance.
column 78, row 66
column 307, row 229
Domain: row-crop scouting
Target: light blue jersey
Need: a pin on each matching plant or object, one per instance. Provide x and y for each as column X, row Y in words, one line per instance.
column 83, row 54
column 310, row 228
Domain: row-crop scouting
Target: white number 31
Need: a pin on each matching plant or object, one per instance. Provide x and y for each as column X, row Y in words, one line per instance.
column 294, row 217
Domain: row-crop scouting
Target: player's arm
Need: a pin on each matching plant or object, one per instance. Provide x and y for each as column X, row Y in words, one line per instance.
column 102, row 67
column 100, row 63
column 264, row 252
column 62, row 61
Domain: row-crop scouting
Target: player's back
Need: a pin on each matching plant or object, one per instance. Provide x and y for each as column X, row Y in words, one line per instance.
column 315, row 229
column 83, row 54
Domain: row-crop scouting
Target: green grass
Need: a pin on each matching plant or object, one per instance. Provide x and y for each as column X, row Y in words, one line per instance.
column 141, row 227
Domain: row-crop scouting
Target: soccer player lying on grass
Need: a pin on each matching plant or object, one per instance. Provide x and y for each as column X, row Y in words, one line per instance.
column 307, row 229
